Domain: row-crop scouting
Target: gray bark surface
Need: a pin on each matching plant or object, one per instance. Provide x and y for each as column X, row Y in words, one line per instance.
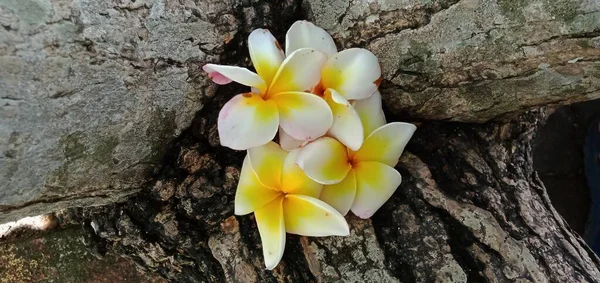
column 133, row 115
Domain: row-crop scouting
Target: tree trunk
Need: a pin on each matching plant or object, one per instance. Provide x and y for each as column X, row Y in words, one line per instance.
column 470, row 208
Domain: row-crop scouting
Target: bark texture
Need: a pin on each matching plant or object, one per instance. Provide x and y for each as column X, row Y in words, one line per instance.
column 471, row 207
column 92, row 93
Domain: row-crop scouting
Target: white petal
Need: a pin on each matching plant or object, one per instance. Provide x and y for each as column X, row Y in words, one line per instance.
column 251, row 194
column 370, row 112
column 376, row 183
column 222, row 74
column 308, row 216
column 341, row 195
column 301, row 71
column 287, row 142
column 266, row 54
column 324, row 160
column 247, row 121
column 303, row 34
column 271, row 226
column 346, row 127
column 355, row 73
column 303, row 116
column 386, row 144
column 267, row 163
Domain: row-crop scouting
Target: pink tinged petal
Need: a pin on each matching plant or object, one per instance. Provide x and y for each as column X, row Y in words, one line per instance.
column 247, row 121
column 370, row 112
column 355, row 73
column 267, row 163
column 271, row 227
column 300, row 71
column 341, row 195
column 265, row 53
column 303, row 34
column 375, row 184
column 308, row 216
column 324, row 160
column 295, row 181
column 251, row 194
column 386, row 144
column 346, row 127
column 221, row 74
column 287, row 142
column 303, row 116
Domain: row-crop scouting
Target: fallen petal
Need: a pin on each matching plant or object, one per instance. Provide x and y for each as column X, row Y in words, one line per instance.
column 346, row 127
column 303, row 116
column 355, row 73
column 267, row 162
column 247, row 121
column 251, row 194
column 303, row 34
column 308, row 216
column 295, row 181
column 271, row 228
column 265, row 53
column 375, row 184
column 341, row 195
column 222, row 74
column 324, row 160
column 386, row 144
column 300, row 71
column 370, row 112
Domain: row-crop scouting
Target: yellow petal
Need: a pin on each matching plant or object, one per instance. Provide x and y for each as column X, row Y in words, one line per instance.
column 303, row 34
column 308, row 216
column 247, row 121
column 354, row 73
column 375, row 184
column 304, row 116
column 300, row 71
column 324, row 160
column 386, row 144
column 251, row 194
column 266, row 54
column 370, row 112
column 295, row 181
column 267, row 162
column 222, row 75
column 271, row 227
column 341, row 195
column 346, row 127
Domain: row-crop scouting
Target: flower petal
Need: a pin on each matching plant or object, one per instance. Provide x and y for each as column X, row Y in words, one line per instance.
column 222, row 75
column 308, row 216
column 386, row 144
column 370, row 112
column 324, row 160
column 300, row 71
column 251, row 194
column 375, row 184
column 271, row 226
column 287, row 142
column 303, row 116
column 303, row 34
column 346, row 127
column 341, row 195
column 247, row 121
column 267, row 163
column 354, row 73
column 295, row 181
column 265, row 53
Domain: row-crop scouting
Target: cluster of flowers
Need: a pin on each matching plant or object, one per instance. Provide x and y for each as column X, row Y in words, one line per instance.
column 335, row 154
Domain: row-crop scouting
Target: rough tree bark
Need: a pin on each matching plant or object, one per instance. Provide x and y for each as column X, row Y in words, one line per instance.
column 470, row 208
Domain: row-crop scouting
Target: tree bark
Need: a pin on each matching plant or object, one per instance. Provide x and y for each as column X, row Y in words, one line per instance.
column 471, row 207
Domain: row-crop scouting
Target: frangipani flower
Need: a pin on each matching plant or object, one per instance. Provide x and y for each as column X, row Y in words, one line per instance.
column 278, row 97
column 352, row 74
column 362, row 180
column 283, row 199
